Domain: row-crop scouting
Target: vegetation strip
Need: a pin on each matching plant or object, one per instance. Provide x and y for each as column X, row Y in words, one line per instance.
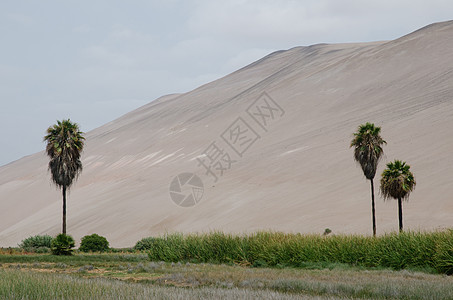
column 397, row 251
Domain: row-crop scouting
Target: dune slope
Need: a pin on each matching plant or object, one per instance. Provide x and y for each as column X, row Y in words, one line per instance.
column 279, row 131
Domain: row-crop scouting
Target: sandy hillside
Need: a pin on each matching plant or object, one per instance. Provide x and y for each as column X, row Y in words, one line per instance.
column 292, row 169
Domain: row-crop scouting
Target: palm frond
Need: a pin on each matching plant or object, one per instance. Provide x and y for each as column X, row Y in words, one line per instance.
column 397, row 181
column 368, row 151
column 64, row 147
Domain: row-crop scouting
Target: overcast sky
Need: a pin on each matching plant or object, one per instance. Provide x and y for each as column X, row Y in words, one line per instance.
column 93, row 61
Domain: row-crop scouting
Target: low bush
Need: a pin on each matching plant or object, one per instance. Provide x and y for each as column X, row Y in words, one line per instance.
column 145, row 244
column 41, row 250
column 62, row 244
column 93, row 243
column 397, row 251
column 37, row 243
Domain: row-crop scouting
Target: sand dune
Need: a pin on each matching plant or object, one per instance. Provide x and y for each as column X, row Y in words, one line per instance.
column 295, row 172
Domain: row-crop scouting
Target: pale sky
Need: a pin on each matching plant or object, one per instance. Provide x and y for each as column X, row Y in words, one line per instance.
column 93, row 61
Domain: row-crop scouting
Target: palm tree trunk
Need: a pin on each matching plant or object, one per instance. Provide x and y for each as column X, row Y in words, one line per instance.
column 64, row 209
column 373, row 212
column 400, row 214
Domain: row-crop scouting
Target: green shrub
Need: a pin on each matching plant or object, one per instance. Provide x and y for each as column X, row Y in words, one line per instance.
column 94, row 242
column 145, row 244
column 62, row 244
column 41, row 250
column 37, row 243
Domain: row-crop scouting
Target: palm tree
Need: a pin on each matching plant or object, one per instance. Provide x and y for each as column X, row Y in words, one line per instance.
column 397, row 182
column 367, row 145
column 64, row 146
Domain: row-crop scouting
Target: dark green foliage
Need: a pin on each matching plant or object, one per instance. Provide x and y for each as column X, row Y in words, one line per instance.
column 367, row 144
column 397, row 180
column 42, row 250
column 144, row 244
column 62, row 244
column 37, row 243
column 64, row 146
column 93, row 243
column 406, row 250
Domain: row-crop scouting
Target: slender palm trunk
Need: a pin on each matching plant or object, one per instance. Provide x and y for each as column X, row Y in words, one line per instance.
column 64, row 209
column 400, row 214
column 373, row 212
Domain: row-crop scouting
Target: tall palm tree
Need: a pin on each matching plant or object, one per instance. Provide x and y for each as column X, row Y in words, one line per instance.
column 368, row 151
column 397, row 182
column 64, row 146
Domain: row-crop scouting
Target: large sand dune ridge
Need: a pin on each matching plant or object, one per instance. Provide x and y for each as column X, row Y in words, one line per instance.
column 297, row 176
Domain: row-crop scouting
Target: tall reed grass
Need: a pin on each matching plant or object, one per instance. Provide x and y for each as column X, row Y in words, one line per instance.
column 418, row 250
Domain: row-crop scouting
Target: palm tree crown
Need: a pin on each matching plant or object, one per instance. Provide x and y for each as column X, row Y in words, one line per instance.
column 397, row 180
column 367, row 145
column 64, row 146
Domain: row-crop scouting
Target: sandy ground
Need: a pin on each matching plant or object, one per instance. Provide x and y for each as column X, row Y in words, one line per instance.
column 280, row 128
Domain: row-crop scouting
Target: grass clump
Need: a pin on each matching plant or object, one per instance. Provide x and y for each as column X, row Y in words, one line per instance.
column 36, row 244
column 407, row 250
column 443, row 257
column 216, row 247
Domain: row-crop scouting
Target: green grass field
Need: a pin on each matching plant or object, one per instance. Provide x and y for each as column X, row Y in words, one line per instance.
column 259, row 266
column 133, row 276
